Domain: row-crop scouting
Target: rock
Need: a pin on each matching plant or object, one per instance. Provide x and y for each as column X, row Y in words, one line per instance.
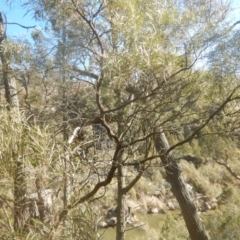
column 162, row 211
column 131, row 218
column 208, row 206
column 188, row 187
column 133, row 205
column 130, row 207
column 112, row 222
column 197, row 204
column 152, row 202
column 112, row 213
column 213, row 203
column 175, row 203
column 170, row 205
column 102, row 224
column 203, row 203
column 153, row 210
column 157, row 194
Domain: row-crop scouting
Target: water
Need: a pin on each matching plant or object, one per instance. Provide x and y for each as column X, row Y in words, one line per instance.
column 153, row 224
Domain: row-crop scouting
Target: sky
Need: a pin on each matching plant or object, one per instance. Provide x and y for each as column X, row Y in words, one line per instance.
column 15, row 13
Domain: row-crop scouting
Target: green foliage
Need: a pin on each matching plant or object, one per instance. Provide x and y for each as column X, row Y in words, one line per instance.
column 81, row 224
column 226, row 194
column 142, row 186
column 173, row 227
column 223, row 224
column 137, row 64
column 204, row 179
column 25, row 150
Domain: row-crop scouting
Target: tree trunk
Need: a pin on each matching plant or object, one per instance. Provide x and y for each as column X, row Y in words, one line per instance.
column 40, row 202
column 17, row 152
column 19, row 194
column 67, row 184
column 5, row 62
column 192, row 220
column 9, row 85
column 120, row 205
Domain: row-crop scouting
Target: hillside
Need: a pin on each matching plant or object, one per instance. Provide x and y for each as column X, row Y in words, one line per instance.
column 121, row 115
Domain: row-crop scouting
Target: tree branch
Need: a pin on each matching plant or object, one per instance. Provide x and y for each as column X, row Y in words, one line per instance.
column 133, row 182
column 229, row 169
column 228, row 99
column 226, row 165
column 85, row 73
column 20, row 25
column 236, row 23
column 64, row 212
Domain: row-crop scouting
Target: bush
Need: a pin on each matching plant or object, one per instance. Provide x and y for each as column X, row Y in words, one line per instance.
column 173, row 228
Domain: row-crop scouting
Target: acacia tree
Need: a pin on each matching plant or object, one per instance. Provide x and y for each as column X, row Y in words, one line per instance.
column 140, row 59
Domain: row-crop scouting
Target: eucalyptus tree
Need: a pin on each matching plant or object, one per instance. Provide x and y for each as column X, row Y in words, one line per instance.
column 223, row 64
column 12, row 105
column 141, row 60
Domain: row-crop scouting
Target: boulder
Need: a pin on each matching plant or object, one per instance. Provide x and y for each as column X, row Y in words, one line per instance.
column 102, row 224
column 112, row 212
column 152, row 210
column 151, row 202
column 112, row 222
column 133, row 205
column 214, row 203
column 170, row 205
column 162, row 211
column 132, row 218
column 203, row 203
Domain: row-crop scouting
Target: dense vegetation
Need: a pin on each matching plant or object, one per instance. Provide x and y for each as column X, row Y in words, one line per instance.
column 119, row 107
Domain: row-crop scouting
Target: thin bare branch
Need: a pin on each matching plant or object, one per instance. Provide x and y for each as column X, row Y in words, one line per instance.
column 227, row 100
column 20, row 25
column 228, row 168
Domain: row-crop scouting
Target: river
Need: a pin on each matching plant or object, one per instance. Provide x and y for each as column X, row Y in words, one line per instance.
column 153, row 223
